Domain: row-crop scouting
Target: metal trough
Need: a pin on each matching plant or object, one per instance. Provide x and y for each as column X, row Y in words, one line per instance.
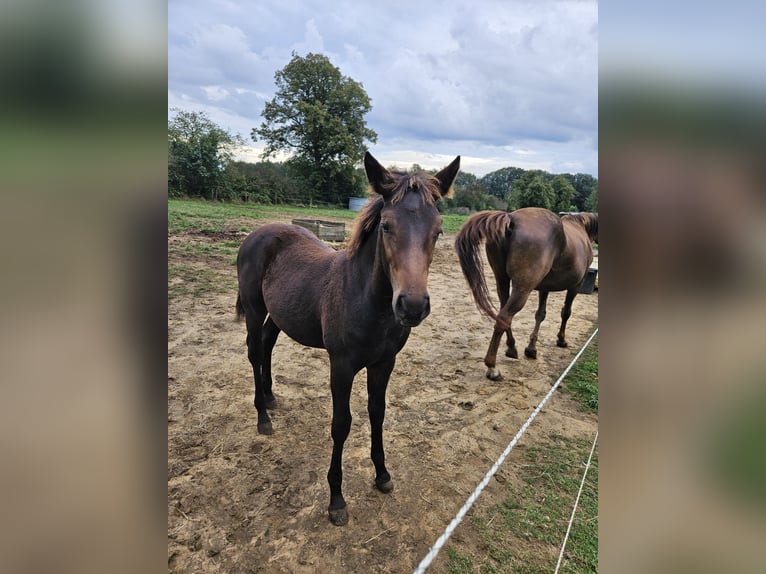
column 325, row 230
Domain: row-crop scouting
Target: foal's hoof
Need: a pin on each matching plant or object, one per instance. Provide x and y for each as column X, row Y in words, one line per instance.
column 530, row 353
column 511, row 353
column 386, row 486
column 562, row 344
column 338, row 517
column 265, row 428
column 494, row 374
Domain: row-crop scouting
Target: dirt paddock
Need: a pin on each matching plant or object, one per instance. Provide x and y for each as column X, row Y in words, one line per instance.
column 241, row 502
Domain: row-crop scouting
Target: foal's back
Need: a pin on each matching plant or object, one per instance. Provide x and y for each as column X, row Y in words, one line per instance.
column 287, row 269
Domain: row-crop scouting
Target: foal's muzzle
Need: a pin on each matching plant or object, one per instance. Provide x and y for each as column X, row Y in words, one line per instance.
column 410, row 310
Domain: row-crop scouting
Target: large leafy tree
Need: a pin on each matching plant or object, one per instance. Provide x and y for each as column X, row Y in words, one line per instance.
column 563, row 193
column 585, row 185
column 317, row 115
column 199, row 152
column 499, row 182
column 532, row 190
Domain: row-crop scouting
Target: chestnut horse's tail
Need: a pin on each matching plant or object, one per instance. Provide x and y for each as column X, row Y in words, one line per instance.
column 485, row 226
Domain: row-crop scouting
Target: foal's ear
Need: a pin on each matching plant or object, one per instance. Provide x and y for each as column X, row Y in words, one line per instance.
column 447, row 176
column 377, row 175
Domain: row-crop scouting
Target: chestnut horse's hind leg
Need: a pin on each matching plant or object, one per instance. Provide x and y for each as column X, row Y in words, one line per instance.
column 566, row 312
column 377, row 381
column 531, row 350
column 255, row 319
column 497, row 257
column 503, row 285
column 269, row 338
column 341, row 379
column 516, row 302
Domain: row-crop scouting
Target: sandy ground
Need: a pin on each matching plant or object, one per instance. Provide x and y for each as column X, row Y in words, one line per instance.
column 242, row 502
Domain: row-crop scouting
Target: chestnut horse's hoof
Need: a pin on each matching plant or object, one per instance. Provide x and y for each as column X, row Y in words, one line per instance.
column 562, row 344
column 265, row 428
column 511, row 353
column 386, row 486
column 530, row 353
column 494, row 375
column 338, row 517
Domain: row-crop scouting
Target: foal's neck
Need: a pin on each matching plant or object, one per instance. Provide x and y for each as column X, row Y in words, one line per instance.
column 367, row 269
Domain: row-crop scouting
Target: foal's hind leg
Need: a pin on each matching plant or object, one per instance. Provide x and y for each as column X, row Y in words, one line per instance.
column 566, row 312
column 254, row 321
column 341, row 379
column 269, row 338
column 531, row 350
column 516, row 303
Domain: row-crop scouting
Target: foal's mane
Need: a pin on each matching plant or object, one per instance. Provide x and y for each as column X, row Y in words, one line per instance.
column 396, row 188
column 588, row 220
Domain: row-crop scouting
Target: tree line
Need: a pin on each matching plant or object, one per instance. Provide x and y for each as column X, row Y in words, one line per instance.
column 317, row 116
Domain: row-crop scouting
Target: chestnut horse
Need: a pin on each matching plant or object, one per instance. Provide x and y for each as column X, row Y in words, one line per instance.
column 528, row 249
column 359, row 303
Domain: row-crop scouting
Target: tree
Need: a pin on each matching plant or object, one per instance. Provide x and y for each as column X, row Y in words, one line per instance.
column 563, row 194
column 532, row 190
column 318, row 115
column 263, row 182
column 500, row 181
column 198, row 155
column 584, row 185
column 591, row 204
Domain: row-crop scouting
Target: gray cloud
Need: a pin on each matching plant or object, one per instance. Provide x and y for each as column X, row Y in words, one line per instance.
column 451, row 78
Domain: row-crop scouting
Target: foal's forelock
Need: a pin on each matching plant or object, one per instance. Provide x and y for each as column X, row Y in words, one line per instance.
column 400, row 185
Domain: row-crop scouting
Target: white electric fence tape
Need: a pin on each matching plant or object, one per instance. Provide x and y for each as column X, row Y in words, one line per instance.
column 577, row 501
column 426, row 562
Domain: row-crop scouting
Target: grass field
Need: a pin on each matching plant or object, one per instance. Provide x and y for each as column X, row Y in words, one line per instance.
column 197, row 215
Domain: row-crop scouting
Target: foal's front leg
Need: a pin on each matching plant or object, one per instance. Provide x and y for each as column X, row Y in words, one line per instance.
column 377, row 381
column 341, row 379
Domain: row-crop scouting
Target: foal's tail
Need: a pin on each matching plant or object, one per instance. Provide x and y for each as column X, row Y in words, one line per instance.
column 240, row 308
column 485, row 226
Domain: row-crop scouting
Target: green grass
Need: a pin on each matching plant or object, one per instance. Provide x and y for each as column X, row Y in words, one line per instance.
column 186, row 215
column 199, row 215
column 452, row 222
column 582, row 379
column 194, row 281
column 524, row 532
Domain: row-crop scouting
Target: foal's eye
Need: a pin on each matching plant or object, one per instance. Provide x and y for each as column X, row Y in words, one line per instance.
column 385, row 227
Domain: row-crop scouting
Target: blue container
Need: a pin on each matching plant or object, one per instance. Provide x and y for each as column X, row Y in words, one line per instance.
column 356, row 203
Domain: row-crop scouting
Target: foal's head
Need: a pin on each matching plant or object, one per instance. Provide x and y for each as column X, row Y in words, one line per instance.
column 408, row 225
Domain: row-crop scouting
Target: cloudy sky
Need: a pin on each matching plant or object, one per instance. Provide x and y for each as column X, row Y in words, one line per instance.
column 500, row 83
